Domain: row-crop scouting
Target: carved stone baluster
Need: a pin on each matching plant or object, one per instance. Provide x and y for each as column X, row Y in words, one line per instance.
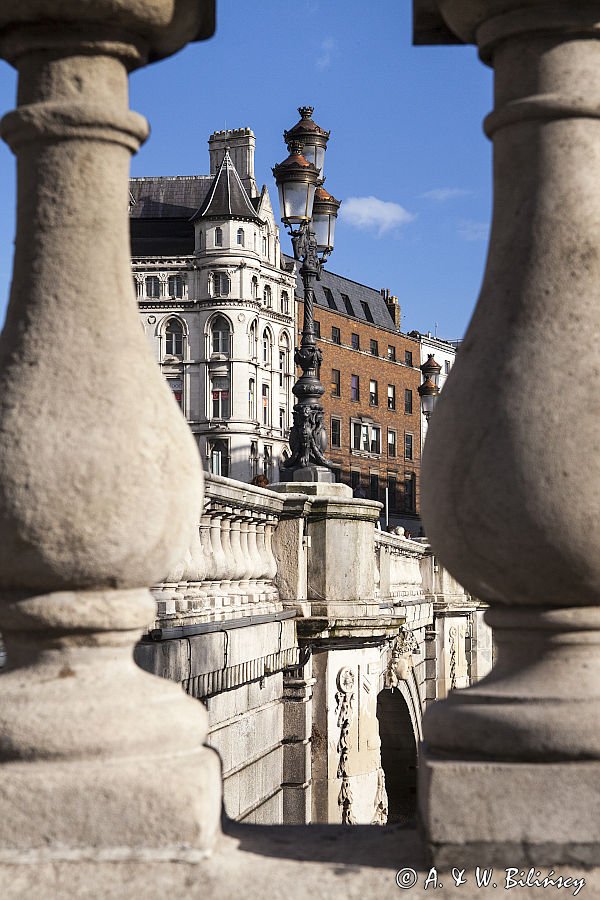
column 218, row 559
column 209, row 562
column 511, row 468
column 194, row 572
column 271, row 569
column 100, row 481
column 229, row 564
column 248, row 560
column 239, row 560
column 255, row 560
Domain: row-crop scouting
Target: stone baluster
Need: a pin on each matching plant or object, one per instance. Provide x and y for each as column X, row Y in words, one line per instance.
column 255, row 560
column 263, row 567
column 218, row 559
column 195, row 570
column 100, row 481
column 229, row 564
column 210, row 565
column 246, row 553
column 239, row 560
column 511, row 472
column 271, row 568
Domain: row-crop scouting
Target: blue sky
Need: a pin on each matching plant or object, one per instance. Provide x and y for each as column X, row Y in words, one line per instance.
column 407, row 155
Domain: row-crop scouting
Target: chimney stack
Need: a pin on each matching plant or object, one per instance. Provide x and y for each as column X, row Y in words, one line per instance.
column 393, row 307
column 241, row 143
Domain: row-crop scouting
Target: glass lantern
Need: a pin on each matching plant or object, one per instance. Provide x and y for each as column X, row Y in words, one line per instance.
column 325, row 210
column 296, row 180
column 312, row 138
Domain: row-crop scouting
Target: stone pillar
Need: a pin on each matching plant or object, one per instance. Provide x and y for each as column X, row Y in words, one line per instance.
column 511, row 472
column 100, row 482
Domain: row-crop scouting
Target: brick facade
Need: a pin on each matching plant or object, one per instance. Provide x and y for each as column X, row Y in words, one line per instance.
column 370, row 470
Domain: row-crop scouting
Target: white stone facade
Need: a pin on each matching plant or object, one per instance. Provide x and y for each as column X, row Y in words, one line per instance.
column 221, row 324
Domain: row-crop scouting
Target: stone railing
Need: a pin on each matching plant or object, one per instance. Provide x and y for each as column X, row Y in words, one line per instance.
column 398, row 563
column 230, row 568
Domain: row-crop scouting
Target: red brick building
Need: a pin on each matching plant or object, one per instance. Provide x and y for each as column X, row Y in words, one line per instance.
column 371, row 375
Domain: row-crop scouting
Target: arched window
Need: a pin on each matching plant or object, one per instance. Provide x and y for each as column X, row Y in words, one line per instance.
column 152, row 286
column 268, row 296
column 285, row 303
column 267, row 347
column 220, row 335
column 221, row 284
column 251, row 398
column 284, row 357
column 254, row 287
column 240, row 237
column 218, row 237
column 175, row 286
column 174, row 338
column 253, row 340
column 264, row 246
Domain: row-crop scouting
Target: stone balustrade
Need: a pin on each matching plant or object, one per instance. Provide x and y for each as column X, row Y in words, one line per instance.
column 230, row 568
column 398, row 567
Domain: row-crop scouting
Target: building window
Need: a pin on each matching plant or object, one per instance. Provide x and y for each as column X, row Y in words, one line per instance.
column 367, row 310
column 373, row 393
column 220, row 396
column 264, row 246
column 366, row 438
column 284, row 357
column 391, row 354
column 253, row 459
column 218, row 237
column 408, row 358
column 267, row 347
column 348, row 304
column 374, row 347
column 355, row 341
column 317, row 329
column 391, row 442
column 254, row 287
column 285, row 303
column 267, row 461
column 240, row 237
column 336, row 336
column 374, row 486
column 410, row 492
column 336, row 432
column 152, row 287
column 355, row 479
column 282, row 420
column 335, row 383
column 267, row 296
column 218, row 452
column 354, row 387
column 391, row 396
column 174, row 338
column 266, row 407
column 200, row 239
column 253, row 340
column 175, row 286
column 220, row 284
column 408, row 401
column 176, row 385
column 221, row 335
column 408, row 446
column 447, row 366
column 337, row 473
column 329, row 298
column 392, row 493
column 251, row 398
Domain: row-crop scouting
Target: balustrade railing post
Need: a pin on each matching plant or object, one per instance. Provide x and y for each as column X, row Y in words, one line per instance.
column 511, row 468
column 100, row 481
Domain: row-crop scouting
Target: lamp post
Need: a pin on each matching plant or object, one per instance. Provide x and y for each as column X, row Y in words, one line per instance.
column 430, row 389
column 308, row 212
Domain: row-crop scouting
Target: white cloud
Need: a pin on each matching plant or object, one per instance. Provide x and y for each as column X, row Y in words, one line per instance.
column 469, row 230
column 372, row 214
column 326, row 52
column 443, row 194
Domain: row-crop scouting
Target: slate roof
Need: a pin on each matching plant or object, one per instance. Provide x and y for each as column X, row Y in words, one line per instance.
column 361, row 300
column 167, row 197
column 227, row 197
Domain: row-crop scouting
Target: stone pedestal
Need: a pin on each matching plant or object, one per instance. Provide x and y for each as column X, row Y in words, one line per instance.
column 511, row 477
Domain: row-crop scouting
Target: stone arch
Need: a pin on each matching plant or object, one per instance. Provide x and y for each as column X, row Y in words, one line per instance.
column 399, row 734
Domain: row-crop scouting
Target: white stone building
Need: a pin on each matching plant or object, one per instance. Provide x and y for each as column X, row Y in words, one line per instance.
column 217, row 304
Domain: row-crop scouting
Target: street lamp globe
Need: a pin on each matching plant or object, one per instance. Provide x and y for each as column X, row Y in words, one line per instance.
column 311, row 136
column 296, row 180
column 325, row 210
column 429, row 390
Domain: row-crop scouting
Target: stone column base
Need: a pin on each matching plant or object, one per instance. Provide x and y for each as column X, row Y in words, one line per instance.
column 486, row 813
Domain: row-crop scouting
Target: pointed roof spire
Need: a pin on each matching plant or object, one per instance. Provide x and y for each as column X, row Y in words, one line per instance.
column 226, row 197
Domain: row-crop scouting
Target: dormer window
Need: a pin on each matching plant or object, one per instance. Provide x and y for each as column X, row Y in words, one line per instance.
column 240, row 237
column 174, row 338
column 218, row 237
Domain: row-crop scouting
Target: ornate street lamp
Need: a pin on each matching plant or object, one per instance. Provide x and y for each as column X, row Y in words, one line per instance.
column 309, row 212
column 430, row 389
